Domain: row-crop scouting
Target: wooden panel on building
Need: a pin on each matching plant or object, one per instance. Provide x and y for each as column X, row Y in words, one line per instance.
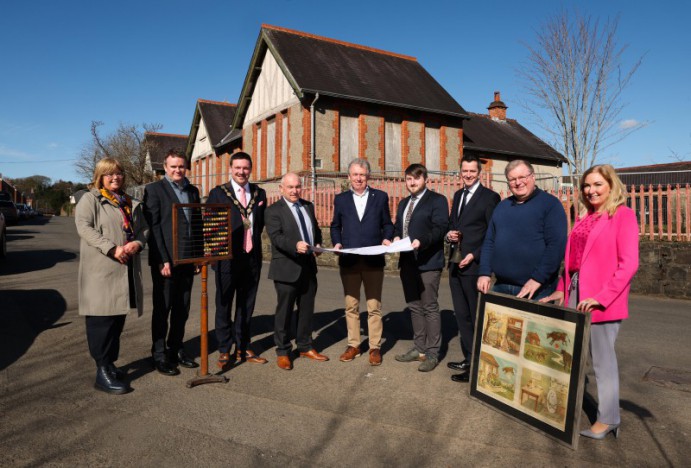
column 392, row 151
column 432, row 160
column 349, row 141
column 258, row 155
column 284, row 144
column 271, row 149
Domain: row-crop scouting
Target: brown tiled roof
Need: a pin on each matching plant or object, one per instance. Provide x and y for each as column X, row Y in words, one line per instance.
column 158, row 145
column 314, row 64
column 674, row 166
column 507, row 138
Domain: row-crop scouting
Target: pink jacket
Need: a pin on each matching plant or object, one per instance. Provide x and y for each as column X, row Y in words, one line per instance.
column 610, row 259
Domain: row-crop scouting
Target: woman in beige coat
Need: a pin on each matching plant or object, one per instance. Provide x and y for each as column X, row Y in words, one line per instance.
column 113, row 232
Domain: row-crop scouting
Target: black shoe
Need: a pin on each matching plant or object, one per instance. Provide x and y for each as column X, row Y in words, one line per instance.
column 459, row 366
column 105, row 382
column 116, row 373
column 166, row 367
column 464, row 377
column 184, row 360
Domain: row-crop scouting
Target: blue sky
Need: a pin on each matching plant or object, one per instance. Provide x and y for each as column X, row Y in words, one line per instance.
column 65, row 64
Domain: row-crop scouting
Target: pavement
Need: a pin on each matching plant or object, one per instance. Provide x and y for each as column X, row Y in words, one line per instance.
column 319, row 414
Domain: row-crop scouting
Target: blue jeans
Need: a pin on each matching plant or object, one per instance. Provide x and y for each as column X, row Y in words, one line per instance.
column 510, row 289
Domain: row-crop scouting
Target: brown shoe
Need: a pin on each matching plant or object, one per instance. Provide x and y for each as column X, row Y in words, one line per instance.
column 223, row 360
column 350, row 354
column 313, row 354
column 249, row 356
column 284, row 362
column 374, row 357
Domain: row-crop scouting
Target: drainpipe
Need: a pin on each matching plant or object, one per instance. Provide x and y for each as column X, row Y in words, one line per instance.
column 313, row 144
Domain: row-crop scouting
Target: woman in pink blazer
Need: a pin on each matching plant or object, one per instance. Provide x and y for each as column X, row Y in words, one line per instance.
column 600, row 262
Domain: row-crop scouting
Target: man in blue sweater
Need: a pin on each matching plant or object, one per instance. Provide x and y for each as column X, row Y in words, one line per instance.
column 525, row 240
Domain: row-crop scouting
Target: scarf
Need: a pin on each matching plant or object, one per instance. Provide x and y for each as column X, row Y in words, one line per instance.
column 124, row 204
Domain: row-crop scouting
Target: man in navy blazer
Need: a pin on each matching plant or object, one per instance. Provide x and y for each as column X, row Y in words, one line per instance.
column 471, row 212
column 293, row 230
column 361, row 219
column 239, row 277
column 424, row 218
column 172, row 285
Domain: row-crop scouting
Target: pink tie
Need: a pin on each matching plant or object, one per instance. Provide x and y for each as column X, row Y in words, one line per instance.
column 248, row 231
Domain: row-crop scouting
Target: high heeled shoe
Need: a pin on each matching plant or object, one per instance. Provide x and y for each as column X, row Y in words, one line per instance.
column 614, row 428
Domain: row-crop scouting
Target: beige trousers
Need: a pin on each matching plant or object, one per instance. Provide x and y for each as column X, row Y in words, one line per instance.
column 372, row 278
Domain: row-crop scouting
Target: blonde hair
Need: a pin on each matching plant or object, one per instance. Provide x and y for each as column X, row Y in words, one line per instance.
column 617, row 189
column 107, row 166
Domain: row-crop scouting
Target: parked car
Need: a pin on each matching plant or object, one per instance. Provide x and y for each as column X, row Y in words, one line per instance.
column 3, row 237
column 9, row 210
column 23, row 210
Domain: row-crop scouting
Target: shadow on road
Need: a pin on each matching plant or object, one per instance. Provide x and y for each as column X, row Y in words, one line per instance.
column 23, row 316
column 33, row 260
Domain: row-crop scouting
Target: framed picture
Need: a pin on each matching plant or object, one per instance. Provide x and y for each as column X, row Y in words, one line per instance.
column 529, row 363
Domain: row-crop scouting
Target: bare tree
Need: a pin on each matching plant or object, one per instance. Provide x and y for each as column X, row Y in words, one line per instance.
column 126, row 144
column 574, row 73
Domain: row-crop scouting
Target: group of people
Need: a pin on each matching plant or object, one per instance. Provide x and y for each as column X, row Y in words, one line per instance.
column 521, row 241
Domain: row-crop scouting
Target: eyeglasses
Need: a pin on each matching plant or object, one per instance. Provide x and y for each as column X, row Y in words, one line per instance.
column 112, row 176
column 519, row 180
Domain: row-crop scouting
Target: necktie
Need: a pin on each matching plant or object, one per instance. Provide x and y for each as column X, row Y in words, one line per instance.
column 303, row 224
column 248, row 230
column 408, row 215
column 462, row 204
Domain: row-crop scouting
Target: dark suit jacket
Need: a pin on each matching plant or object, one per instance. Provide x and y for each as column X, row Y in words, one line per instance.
column 348, row 230
column 159, row 198
column 286, row 264
column 218, row 195
column 428, row 224
column 473, row 224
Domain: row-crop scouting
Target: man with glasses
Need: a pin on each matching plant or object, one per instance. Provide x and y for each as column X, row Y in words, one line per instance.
column 525, row 239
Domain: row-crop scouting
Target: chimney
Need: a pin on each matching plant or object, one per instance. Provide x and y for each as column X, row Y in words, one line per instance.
column 497, row 109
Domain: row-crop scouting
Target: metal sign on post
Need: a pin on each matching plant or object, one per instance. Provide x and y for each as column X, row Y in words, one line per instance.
column 202, row 234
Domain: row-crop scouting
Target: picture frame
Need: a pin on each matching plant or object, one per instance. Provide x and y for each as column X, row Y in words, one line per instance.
column 528, row 363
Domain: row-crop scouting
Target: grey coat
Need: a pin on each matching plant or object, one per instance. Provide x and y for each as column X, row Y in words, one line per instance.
column 102, row 283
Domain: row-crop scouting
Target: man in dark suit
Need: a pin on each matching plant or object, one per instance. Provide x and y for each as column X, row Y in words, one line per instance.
column 471, row 212
column 239, row 277
column 361, row 219
column 293, row 230
column 424, row 218
column 172, row 285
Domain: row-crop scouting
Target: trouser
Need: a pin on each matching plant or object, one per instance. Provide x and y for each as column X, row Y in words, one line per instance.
column 242, row 283
column 302, row 294
column 512, row 289
column 603, row 336
column 103, row 337
column 421, row 291
column 353, row 277
column 171, row 300
column 464, row 297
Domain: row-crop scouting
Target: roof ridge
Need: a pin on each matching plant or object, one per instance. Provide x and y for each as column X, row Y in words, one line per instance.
column 222, row 103
column 166, row 134
column 336, row 41
column 488, row 117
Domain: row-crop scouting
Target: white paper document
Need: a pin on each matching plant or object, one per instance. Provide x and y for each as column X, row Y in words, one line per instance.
column 402, row 245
